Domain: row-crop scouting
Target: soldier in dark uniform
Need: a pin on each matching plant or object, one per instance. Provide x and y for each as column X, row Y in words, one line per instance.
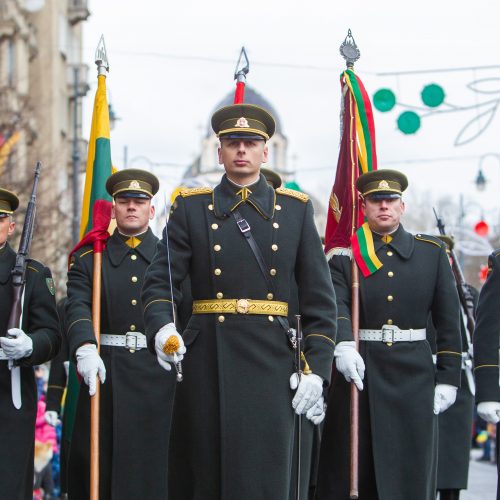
column 486, row 335
column 136, row 399
column 37, row 342
column 455, row 424
column 401, row 393
column 233, row 424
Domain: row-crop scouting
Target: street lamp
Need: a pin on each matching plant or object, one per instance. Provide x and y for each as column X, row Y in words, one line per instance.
column 481, row 180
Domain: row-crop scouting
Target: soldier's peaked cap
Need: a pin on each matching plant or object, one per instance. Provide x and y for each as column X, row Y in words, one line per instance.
column 243, row 121
column 132, row 183
column 8, row 202
column 382, row 183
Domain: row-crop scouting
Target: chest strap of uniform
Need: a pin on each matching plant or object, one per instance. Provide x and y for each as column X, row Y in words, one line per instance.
column 244, row 228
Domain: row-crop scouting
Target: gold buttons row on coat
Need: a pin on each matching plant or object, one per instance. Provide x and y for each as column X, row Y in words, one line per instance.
column 390, row 274
column 220, row 295
column 217, row 272
column 210, row 207
column 274, row 248
column 273, row 272
column 277, row 207
column 133, row 257
column 270, row 296
column 134, row 279
column 221, row 319
column 132, row 328
column 390, row 298
column 389, row 322
column 217, row 248
column 276, row 225
column 390, row 254
column 133, row 302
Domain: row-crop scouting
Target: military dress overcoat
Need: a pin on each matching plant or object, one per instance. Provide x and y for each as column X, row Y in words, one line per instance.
column 232, row 433
column 17, row 429
column 486, row 341
column 397, row 424
column 137, row 396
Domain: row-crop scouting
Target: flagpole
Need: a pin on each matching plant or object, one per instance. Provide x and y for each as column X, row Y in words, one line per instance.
column 350, row 53
column 102, row 69
column 240, row 75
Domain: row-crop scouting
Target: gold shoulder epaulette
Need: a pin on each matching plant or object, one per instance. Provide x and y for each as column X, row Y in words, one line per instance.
column 294, row 194
column 194, row 191
column 429, row 239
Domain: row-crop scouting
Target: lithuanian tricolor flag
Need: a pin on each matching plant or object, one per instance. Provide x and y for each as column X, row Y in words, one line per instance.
column 357, row 155
column 99, row 158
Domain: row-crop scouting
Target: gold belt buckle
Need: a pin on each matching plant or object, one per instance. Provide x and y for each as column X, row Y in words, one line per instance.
column 242, row 306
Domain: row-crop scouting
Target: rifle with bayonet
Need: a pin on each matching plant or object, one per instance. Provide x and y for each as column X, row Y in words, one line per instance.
column 19, row 281
column 466, row 301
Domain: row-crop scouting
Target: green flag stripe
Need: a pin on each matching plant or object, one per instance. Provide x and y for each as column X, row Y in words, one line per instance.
column 101, row 170
column 363, row 246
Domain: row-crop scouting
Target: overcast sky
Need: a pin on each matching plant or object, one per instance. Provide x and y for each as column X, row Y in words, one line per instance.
column 171, row 62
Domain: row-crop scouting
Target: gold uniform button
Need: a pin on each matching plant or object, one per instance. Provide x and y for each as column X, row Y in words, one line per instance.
column 220, row 295
column 390, row 254
column 277, row 207
column 133, row 257
column 133, row 302
column 390, row 274
column 389, row 321
column 218, row 272
column 270, row 318
column 132, row 328
column 215, row 226
column 217, row 248
column 274, row 248
column 134, row 279
column 210, row 207
column 270, row 296
column 221, row 319
column 390, row 298
column 272, row 272
column 276, row 225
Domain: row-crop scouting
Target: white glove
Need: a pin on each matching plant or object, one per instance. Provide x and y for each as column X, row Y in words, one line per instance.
column 89, row 364
column 444, row 397
column 17, row 347
column 316, row 414
column 309, row 390
column 350, row 363
column 51, row 418
column 489, row 411
column 161, row 337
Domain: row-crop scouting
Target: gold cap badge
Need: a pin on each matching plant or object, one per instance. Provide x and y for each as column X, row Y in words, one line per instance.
column 383, row 185
column 242, row 123
column 134, row 185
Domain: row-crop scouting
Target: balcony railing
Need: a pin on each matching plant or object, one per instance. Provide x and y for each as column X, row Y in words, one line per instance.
column 78, row 11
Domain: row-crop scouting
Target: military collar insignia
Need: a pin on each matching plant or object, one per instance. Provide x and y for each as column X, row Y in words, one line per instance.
column 117, row 249
column 402, row 242
column 226, row 198
column 242, row 123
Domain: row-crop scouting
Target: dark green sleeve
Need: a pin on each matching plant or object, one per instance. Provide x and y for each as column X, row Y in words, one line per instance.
column 78, row 311
column 316, row 299
column 446, row 318
column 40, row 320
column 340, row 272
column 486, row 335
column 156, row 297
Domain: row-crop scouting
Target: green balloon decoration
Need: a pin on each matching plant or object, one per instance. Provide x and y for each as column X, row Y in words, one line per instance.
column 384, row 100
column 408, row 122
column 432, row 95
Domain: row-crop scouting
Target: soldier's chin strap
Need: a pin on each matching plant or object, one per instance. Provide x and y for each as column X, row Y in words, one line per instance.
column 244, row 228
